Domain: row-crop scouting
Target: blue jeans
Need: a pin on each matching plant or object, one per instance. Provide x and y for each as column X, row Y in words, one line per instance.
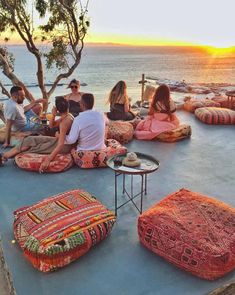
column 33, row 121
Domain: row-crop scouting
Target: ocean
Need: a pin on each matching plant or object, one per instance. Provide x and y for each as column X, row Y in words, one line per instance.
column 102, row 66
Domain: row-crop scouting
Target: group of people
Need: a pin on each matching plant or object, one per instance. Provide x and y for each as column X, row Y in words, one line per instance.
column 79, row 125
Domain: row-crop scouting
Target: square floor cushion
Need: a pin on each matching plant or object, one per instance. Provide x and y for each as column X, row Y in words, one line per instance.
column 122, row 131
column 32, row 162
column 192, row 231
column 216, row 116
column 60, row 229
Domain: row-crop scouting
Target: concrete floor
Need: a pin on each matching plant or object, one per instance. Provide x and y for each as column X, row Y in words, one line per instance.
column 120, row 264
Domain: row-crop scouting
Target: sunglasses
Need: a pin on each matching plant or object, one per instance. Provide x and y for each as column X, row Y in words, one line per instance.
column 75, row 86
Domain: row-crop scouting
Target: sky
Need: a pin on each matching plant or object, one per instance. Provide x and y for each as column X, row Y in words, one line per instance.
column 163, row 22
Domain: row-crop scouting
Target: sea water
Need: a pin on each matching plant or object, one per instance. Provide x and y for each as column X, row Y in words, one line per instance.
column 101, row 67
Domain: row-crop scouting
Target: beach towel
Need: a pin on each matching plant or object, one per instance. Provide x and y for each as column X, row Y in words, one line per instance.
column 153, row 125
column 192, row 231
column 56, row 231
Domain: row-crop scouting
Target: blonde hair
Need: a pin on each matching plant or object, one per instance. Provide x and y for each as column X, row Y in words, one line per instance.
column 118, row 94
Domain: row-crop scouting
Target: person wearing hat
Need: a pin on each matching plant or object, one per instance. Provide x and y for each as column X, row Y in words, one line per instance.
column 74, row 97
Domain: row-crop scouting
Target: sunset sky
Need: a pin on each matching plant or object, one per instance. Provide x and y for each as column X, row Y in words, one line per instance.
column 153, row 22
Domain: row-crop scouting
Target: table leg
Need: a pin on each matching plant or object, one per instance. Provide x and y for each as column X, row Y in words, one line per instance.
column 145, row 184
column 142, row 192
column 116, row 175
column 131, row 186
column 123, row 183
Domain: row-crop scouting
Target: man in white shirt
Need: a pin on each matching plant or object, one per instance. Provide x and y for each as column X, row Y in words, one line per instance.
column 18, row 117
column 88, row 128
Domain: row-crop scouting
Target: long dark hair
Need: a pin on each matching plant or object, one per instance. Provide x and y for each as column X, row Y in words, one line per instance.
column 162, row 95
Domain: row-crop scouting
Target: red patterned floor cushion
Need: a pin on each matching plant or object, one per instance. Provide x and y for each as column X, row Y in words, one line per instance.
column 97, row 159
column 32, row 162
column 222, row 100
column 193, row 104
column 192, row 231
column 177, row 134
column 60, row 229
column 216, row 116
column 121, row 131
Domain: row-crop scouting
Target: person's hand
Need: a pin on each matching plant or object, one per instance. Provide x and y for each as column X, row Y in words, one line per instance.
column 44, row 165
column 54, row 111
column 57, row 134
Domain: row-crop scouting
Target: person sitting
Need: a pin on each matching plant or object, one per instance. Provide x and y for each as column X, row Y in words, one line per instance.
column 119, row 103
column 88, row 129
column 74, row 97
column 161, row 116
column 45, row 144
column 18, row 117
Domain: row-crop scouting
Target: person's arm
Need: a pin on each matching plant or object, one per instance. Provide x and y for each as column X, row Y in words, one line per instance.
column 8, row 133
column 33, row 103
column 63, row 130
column 52, row 121
column 74, row 132
column 127, row 106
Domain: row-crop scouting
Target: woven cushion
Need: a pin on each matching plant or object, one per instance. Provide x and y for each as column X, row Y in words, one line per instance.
column 121, row 131
column 97, row 159
column 216, row 116
column 32, row 162
column 193, row 231
column 179, row 133
column 222, row 100
column 192, row 104
column 60, row 229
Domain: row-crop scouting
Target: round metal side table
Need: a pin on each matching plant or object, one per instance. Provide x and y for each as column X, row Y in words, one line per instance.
column 148, row 165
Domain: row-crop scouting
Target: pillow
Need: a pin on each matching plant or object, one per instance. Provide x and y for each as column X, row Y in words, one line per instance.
column 192, row 231
column 216, row 116
column 97, row 159
column 32, row 162
column 181, row 132
column 193, row 104
column 121, row 131
column 57, row 230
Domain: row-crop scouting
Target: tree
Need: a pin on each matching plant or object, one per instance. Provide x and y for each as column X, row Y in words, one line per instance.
column 65, row 28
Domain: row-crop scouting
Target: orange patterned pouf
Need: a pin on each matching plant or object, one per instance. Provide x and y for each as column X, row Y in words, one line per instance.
column 121, row 131
column 32, row 162
column 98, row 159
column 193, row 104
column 60, row 229
column 192, row 231
column 177, row 134
column 220, row 116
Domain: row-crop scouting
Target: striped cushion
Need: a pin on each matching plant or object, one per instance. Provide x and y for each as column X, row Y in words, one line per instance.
column 60, row 229
column 193, row 104
column 32, row 162
column 121, row 131
column 97, row 159
column 192, row 231
column 216, row 116
column 177, row 134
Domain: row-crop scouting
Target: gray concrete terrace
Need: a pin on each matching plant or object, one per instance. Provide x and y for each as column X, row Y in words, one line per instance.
column 120, row 264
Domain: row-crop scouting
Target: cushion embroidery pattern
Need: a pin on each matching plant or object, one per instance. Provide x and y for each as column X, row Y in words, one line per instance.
column 32, row 162
column 177, row 134
column 216, row 116
column 96, row 159
column 192, row 231
column 192, row 105
column 120, row 131
column 60, row 229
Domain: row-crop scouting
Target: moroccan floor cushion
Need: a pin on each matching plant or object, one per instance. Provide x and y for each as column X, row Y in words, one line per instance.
column 121, row 131
column 177, row 134
column 60, row 229
column 32, row 162
column 16, row 137
column 222, row 100
column 192, row 231
column 97, row 159
column 216, row 116
column 193, row 104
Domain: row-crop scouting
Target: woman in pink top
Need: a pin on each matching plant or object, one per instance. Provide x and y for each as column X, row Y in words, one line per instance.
column 161, row 116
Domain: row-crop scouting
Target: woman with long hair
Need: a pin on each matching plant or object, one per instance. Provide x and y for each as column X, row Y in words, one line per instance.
column 46, row 144
column 161, row 116
column 119, row 103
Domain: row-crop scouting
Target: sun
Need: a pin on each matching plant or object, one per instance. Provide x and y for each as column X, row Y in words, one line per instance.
column 214, row 50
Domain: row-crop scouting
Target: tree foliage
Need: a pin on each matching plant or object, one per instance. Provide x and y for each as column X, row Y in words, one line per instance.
column 64, row 29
